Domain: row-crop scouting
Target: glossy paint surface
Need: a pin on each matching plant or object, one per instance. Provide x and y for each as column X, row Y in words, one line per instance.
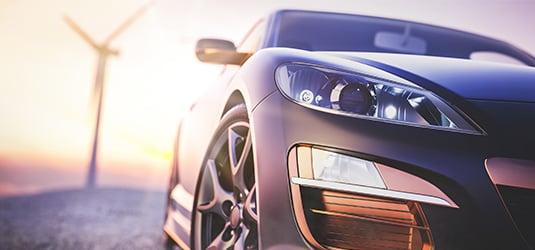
column 451, row 161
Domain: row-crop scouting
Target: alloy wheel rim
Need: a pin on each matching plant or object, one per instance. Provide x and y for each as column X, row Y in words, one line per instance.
column 226, row 205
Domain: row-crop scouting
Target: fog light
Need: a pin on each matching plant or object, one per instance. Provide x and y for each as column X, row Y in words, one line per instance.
column 319, row 167
column 330, row 166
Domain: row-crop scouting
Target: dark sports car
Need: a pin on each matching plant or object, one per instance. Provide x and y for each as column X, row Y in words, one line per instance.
column 337, row 131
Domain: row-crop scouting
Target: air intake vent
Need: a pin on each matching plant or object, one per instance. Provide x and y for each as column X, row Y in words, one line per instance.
column 348, row 221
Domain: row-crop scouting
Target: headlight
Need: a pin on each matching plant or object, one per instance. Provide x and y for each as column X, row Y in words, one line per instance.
column 369, row 94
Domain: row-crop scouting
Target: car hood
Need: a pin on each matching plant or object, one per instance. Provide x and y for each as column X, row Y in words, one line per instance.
column 466, row 78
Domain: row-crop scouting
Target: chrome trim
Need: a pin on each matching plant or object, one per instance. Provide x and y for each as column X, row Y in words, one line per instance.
column 372, row 191
column 397, row 180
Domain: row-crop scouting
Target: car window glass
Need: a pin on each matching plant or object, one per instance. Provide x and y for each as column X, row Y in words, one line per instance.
column 338, row 32
column 252, row 40
column 492, row 56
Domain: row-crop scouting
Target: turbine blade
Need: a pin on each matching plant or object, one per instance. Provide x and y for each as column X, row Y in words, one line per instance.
column 80, row 32
column 129, row 21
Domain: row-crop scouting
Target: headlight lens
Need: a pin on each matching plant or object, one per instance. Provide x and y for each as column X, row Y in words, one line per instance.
column 366, row 95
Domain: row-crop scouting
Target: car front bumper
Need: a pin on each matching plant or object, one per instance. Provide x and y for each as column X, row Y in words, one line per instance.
column 452, row 162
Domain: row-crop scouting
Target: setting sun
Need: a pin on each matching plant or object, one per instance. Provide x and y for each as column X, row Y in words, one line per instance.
column 48, row 83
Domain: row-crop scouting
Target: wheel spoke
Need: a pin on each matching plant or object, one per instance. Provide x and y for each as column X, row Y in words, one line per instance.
column 249, row 207
column 234, row 139
column 226, row 197
column 220, row 195
column 239, row 148
column 240, row 241
column 221, row 242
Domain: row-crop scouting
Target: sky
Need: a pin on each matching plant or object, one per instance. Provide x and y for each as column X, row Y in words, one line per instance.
column 47, row 76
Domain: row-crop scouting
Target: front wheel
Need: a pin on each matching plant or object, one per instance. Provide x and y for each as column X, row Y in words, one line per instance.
column 225, row 207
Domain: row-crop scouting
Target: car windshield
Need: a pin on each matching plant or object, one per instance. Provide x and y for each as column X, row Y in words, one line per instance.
column 319, row 31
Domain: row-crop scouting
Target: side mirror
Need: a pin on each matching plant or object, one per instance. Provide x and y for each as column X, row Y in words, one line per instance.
column 219, row 52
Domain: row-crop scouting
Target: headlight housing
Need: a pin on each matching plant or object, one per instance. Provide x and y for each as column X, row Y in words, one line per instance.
column 370, row 94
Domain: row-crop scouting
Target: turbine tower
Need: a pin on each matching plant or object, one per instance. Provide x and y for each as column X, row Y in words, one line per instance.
column 103, row 50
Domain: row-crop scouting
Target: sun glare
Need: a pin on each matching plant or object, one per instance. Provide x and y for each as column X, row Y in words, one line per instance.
column 46, row 104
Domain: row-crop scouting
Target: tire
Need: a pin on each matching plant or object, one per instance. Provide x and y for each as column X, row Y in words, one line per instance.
column 225, row 214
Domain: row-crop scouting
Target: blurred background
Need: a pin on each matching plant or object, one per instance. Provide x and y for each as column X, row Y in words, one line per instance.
column 48, row 72
column 47, row 104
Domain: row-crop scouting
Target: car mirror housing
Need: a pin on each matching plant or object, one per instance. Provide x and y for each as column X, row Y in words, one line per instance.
column 219, row 51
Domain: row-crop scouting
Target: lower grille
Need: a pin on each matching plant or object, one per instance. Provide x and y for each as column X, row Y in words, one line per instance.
column 521, row 205
column 348, row 221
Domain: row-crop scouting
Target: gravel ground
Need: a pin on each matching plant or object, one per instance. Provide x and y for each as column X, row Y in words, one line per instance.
column 110, row 218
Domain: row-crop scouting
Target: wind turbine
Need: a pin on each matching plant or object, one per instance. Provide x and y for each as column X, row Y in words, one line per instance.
column 104, row 51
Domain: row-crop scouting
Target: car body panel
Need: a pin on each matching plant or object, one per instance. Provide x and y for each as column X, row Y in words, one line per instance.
column 498, row 98
column 499, row 82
